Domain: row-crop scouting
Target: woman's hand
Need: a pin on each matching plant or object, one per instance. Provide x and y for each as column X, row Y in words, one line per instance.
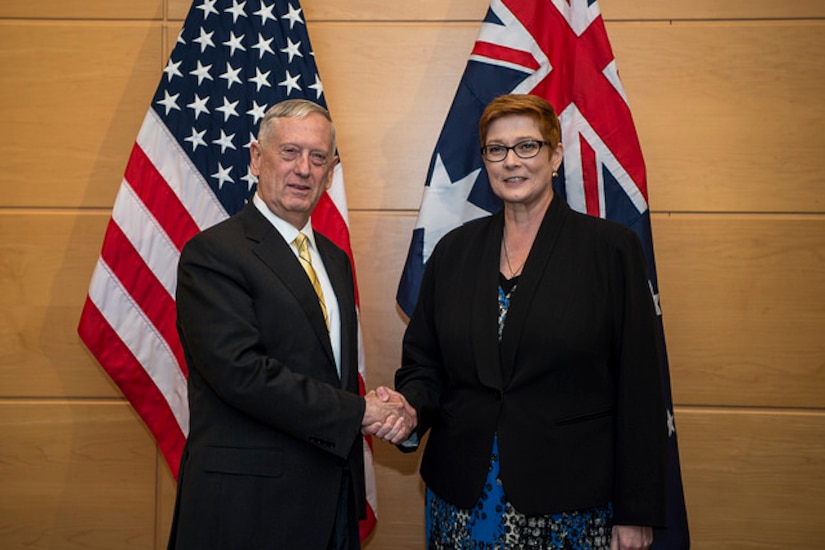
column 631, row 537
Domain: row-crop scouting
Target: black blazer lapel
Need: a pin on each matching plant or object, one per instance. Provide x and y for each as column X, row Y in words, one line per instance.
column 532, row 275
column 485, row 304
column 276, row 254
column 338, row 269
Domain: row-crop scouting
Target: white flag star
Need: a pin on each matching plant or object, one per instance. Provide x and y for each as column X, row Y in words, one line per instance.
column 292, row 49
column 318, row 87
column 445, row 205
column 228, row 109
column 261, row 79
column 265, row 13
column 169, row 101
column 237, row 10
column 256, row 112
column 234, row 43
column 222, row 175
column 202, row 72
column 294, row 16
column 199, row 106
column 172, row 69
column 205, row 39
column 655, row 298
column 250, row 179
column 196, row 139
column 225, row 141
column 207, row 7
column 290, row 82
column 263, row 46
column 231, row 75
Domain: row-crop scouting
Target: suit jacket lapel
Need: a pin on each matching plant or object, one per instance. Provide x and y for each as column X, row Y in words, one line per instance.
column 276, row 254
column 532, row 275
column 342, row 284
column 485, row 305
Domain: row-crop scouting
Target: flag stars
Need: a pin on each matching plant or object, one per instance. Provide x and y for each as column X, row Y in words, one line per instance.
column 292, row 49
column 196, row 139
column 234, row 43
column 318, row 87
column 222, row 175
column 207, row 7
column 231, row 76
column 237, row 10
column 169, row 101
column 294, row 16
column 249, row 178
column 261, row 79
column 290, row 83
column 205, row 40
column 256, row 112
column 252, row 139
column 198, row 105
column 202, row 72
column 265, row 13
column 172, row 69
column 445, row 205
column 225, row 142
column 228, row 109
column 263, row 46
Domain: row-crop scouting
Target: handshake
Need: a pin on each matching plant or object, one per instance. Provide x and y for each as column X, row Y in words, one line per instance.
column 388, row 416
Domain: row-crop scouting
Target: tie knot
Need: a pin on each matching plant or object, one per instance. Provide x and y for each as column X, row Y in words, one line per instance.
column 302, row 244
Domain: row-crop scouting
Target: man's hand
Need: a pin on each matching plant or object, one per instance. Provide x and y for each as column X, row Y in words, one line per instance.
column 388, row 416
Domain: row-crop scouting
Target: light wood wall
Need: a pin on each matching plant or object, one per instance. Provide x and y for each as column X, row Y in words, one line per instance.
column 728, row 102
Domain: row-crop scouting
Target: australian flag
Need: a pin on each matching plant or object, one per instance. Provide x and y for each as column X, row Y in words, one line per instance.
column 559, row 50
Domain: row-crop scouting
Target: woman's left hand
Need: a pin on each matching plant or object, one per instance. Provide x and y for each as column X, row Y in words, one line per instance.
column 631, row 537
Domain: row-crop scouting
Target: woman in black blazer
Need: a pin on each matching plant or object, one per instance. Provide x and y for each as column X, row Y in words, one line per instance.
column 531, row 358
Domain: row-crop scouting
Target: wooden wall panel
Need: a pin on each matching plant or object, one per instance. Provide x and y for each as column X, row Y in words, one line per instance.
column 75, row 475
column 81, row 9
column 46, row 262
column 705, row 10
column 753, row 479
column 744, row 308
column 73, row 97
column 389, row 93
column 729, row 115
column 379, row 246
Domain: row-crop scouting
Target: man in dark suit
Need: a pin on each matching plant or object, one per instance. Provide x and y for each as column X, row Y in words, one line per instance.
column 267, row 318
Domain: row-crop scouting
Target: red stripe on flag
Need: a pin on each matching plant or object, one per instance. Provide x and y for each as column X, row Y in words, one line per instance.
column 159, row 198
column 143, row 286
column 508, row 55
column 365, row 526
column 127, row 372
column 327, row 220
column 591, row 178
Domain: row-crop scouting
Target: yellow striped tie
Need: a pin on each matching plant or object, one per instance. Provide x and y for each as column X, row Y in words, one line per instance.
column 302, row 244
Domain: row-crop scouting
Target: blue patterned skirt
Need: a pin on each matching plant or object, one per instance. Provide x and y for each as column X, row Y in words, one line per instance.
column 493, row 523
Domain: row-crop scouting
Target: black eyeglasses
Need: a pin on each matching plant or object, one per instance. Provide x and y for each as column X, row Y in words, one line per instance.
column 526, row 149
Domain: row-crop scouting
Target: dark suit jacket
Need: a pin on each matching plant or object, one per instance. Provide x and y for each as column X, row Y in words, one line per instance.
column 573, row 391
column 271, row 425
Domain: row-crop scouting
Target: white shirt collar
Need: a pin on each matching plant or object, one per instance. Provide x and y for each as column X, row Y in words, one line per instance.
column 286, row 229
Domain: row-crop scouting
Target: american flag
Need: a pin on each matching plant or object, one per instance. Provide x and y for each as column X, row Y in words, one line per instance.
column 559, row 50
column 188, row 170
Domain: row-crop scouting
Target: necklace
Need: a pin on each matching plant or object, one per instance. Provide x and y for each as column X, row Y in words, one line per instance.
column 507, row 259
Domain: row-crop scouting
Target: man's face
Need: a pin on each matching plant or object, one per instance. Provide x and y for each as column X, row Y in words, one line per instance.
column 294, row 164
